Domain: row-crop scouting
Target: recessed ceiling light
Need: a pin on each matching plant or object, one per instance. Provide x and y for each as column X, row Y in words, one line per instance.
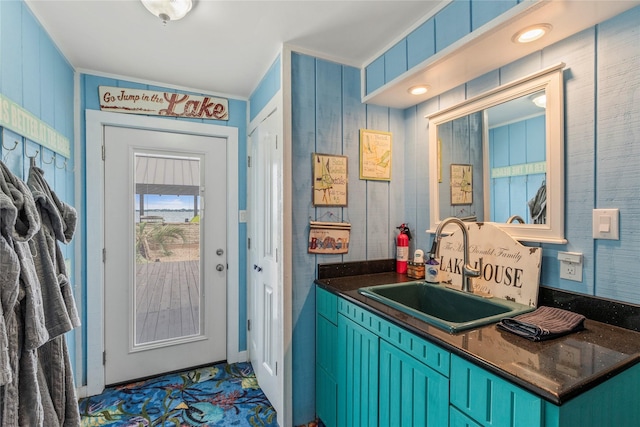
column 418, row 90
column 531, row 33
column 540, row 100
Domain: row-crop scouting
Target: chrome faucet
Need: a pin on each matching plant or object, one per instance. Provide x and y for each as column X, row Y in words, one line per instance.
column 468, row 272
column 514, row 218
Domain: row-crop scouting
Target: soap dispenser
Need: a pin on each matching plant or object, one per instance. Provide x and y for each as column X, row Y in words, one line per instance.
column 432, row 266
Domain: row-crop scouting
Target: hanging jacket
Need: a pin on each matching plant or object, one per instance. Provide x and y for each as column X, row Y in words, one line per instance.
column 58, row 219
column 20, row 403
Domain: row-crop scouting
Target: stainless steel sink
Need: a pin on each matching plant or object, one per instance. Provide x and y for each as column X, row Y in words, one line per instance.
column 445, row 308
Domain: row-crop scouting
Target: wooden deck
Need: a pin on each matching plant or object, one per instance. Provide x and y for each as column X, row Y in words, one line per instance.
column 167, row 300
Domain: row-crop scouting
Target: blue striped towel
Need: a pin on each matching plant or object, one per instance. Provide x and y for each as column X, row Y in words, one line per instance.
column 543, row 323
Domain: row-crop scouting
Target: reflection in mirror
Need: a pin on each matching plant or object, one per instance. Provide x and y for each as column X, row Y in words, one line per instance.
column 517, row 160
column 498, row 157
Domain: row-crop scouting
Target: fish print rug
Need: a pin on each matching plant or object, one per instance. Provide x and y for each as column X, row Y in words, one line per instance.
column 218, row 395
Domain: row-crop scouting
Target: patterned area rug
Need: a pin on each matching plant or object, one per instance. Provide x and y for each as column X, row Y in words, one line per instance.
column 219, row 395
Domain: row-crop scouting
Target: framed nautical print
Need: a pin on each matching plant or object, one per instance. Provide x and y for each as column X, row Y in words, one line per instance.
column 461, row 184
column 375, row 155
column 329, row 179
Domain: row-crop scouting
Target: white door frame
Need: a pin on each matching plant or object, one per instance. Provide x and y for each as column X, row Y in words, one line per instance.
column 95, row 121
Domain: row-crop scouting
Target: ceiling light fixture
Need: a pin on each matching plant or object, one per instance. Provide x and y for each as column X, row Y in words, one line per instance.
column 418, row 90
column 168, row 10
column 531, row 33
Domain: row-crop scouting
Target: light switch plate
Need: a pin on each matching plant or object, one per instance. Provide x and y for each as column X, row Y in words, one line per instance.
column 606, row 224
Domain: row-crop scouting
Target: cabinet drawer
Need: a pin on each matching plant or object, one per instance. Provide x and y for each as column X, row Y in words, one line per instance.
column 327, row 305
column 430, row 354
column 490, row 400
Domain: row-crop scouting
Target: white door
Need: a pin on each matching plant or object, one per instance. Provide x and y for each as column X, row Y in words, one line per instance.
column 265, row 289
column 165, row 252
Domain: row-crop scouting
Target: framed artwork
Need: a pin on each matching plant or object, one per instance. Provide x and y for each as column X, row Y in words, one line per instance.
column 461, row 184
column 329, row 180
column 375, row 155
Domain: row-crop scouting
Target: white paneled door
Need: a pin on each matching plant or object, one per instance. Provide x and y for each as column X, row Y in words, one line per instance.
column 265, row 274
column 165, row 251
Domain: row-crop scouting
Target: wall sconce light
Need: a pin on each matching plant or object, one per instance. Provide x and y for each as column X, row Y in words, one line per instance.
column 418, row 90
column 168, row 10
column 531, row 33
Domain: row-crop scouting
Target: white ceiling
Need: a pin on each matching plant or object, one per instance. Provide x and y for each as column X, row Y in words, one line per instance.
column 221, row 47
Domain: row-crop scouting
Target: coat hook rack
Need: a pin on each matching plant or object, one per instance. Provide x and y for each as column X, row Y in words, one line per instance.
column 8, row 150
column 53, row 159
column 64, row 165
column 15, row 145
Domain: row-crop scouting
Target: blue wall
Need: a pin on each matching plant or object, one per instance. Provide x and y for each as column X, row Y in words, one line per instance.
column 447, row 26
column 267, row 88
column 326, row 118
column 36, row 76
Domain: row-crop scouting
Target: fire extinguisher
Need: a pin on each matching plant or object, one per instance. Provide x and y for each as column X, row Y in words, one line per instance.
column 402, row 248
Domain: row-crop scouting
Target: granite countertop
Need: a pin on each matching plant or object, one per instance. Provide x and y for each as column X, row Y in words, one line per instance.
column 556, row 370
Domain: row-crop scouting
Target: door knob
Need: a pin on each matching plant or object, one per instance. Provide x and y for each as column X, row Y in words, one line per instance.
column 219, row 267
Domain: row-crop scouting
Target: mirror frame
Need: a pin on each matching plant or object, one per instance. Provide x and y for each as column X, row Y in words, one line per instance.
column 549, row 79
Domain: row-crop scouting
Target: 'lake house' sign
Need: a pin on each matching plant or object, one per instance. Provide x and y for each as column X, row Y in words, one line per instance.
column 508, row 270
column 137, row 101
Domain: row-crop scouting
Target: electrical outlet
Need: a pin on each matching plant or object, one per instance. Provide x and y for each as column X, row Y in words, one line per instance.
column 570, row 266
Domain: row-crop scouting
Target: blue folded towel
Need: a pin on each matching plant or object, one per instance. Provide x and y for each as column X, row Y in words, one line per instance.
column 543, row 323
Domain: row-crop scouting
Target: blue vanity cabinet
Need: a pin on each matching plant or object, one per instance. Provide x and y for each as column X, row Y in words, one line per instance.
column 387, row 375
column 357, row 375
column 458, row 419
column 490, row 400
column 372, row 372
column 481, row 399
column 326, row 359
column 411, row 393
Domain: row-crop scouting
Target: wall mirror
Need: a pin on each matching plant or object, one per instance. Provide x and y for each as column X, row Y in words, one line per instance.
column 499, row 157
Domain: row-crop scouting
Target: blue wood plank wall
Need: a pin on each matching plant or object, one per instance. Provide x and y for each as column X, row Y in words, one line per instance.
column 37, row 77
column 237, row 118
column 327, row 116
column 447, row 26
column 267, row 88
column 602, row 153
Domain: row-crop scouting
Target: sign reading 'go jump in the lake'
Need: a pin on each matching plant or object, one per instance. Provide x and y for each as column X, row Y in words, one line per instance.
column 137, row 101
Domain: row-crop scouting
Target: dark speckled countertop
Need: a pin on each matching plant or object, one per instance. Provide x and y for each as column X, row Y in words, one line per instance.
column 556, row 370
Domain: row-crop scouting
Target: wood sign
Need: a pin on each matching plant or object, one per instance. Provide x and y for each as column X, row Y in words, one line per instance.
column 21, row 121
column 509, row 269
column 328, row 237
column 136, row 101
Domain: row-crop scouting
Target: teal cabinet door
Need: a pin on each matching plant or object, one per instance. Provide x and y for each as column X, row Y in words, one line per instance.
column 411, row 393
column 326, row 372
column 326, row 357
column 458, row 419
column 357, row 375
column 490, row 400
